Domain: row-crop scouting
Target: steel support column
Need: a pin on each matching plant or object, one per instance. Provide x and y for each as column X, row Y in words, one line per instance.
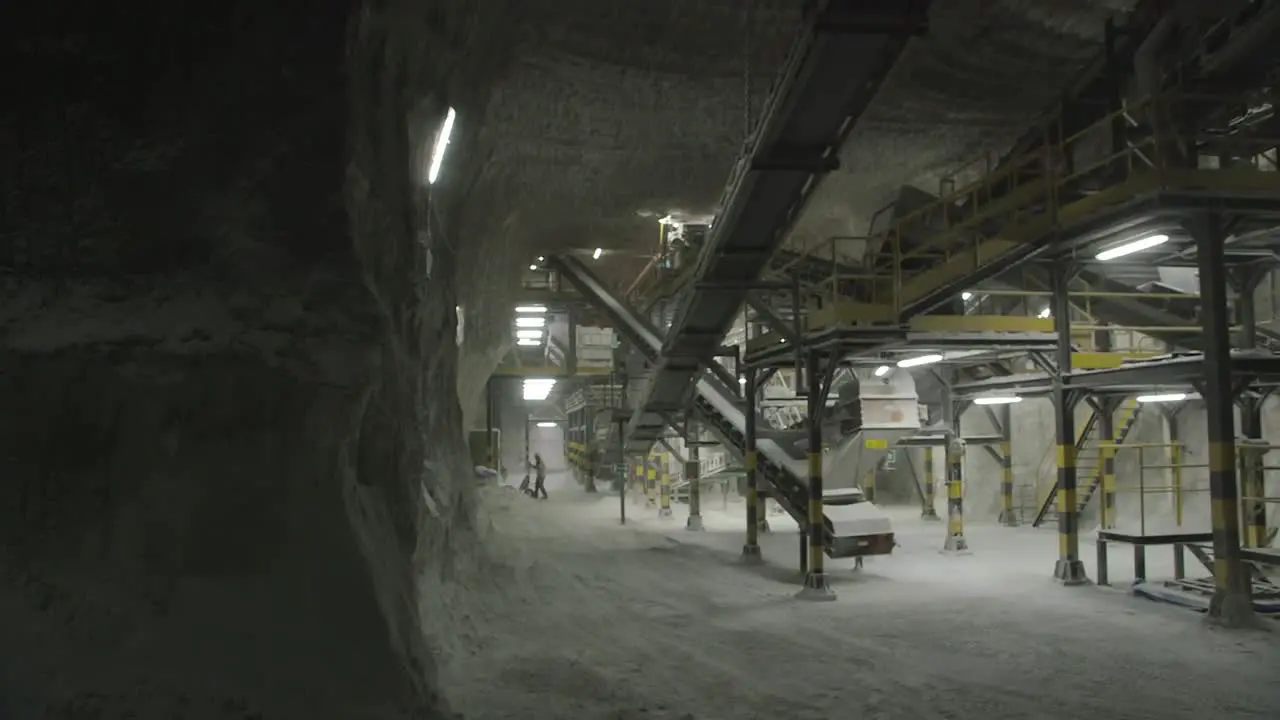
column 1231, row 604
column 816, row 583
column 1107, row 434
column 751, row 550
column 1069, row 569
column 692, row 441
column 1008, row 516
column 956, row 541
column 651, row 481
column 930, row 512
column 1252, row 477
column 664, row 487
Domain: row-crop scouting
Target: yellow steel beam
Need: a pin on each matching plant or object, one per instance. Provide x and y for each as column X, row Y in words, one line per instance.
column 1105, row 360
column 980, row 324
column 547, row 371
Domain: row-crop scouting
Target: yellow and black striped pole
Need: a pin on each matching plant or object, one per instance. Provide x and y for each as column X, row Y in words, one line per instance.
column 956, row 541
column 1107, row 434
column 929, row 511
column 664, row 486
column 816, row 583
column 1252, row 482
column 1232, row 602
column 651, row 482
column 751, row 550
column 1008, row 516
column 1069, row 570
column 691, row 473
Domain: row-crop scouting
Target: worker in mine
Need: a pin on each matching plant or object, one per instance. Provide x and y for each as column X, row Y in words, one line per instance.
column 540, row 477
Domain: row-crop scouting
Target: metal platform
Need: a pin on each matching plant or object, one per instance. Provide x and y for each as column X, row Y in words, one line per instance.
column 1257, row 367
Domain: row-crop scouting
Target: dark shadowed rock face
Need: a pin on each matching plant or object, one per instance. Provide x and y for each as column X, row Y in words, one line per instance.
column 221, row 360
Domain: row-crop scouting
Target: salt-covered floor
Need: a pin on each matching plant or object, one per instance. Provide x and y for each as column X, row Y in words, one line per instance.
column 594, row 620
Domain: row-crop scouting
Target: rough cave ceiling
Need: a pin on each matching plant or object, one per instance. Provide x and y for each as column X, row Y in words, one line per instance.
column 616, row 113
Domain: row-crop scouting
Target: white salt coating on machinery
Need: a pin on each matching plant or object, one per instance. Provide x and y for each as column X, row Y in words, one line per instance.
column 883, row 411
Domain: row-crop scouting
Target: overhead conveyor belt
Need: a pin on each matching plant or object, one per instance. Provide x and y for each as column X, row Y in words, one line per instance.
column 843, row 52
column 854, row 527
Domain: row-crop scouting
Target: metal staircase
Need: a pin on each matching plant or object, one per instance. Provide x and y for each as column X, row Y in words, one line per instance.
column 1090, row 455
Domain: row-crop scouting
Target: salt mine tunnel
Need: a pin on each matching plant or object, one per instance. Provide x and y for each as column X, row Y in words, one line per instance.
column 233, row 451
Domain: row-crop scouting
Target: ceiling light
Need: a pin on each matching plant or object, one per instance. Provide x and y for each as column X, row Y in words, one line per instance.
column 523, row 334
column 882, row 371
column 442, row 144
column 1132, row 247
column 1045, row 313
column 541, row 259
column 531, row 309
column 1162, row 398
column 596, row 255
column 997, row 400
column 546, row 424
column 966, row 296
column 742, row 381
column 530, row 322
column 538, row 388
column 919, row 360
column 533, row 267
column 528, row 342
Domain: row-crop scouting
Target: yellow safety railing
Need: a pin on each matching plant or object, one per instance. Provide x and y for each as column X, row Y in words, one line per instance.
column 1064, row 181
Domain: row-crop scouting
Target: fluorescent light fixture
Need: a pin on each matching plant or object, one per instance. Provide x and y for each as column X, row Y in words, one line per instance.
column 1045, row 313
column 442, row 144
column 531, row 309
column 542, row 258
column 997, row 400
column 596, row 255
column 523, row 334
column 1162, row 398
column 966, row 296
column 530, row 322
column 1132, row 247
column 882, row 371
column 742, row 381
column 919, row 360
column 533, row 267
column 528, row 342
column 538, row 388
column 546, row 424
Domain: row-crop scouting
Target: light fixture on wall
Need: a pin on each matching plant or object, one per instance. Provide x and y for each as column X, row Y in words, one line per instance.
column 442, row 144
column 919, row 360
column 596, row 255
column 530, row 322
column 534, row 334
column 1162, row 397
column 1132, row 247
column 531, row 309
column 546, row 424
column 529, row 342
column 997, row 400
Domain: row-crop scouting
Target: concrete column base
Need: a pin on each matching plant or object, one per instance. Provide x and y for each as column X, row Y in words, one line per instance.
column 1008, row 518
column 1070, row 572
column 694, row 523
column 751, row 555
column 929, row 514
column 664, row 512
column 816, row 587
column 763, row 526
column 956, row 545
column 1233, row 610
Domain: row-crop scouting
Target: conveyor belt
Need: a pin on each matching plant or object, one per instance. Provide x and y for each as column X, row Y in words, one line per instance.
column 858, row 528
column 843, row 52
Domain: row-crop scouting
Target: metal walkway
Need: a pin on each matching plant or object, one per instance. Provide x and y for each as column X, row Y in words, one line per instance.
column 835, row 67
column 853, row 527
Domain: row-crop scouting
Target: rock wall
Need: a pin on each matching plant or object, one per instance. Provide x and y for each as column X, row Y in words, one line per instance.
column 229, row 368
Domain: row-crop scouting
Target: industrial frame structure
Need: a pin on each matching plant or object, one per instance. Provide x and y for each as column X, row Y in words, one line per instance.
column 1038, row 215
